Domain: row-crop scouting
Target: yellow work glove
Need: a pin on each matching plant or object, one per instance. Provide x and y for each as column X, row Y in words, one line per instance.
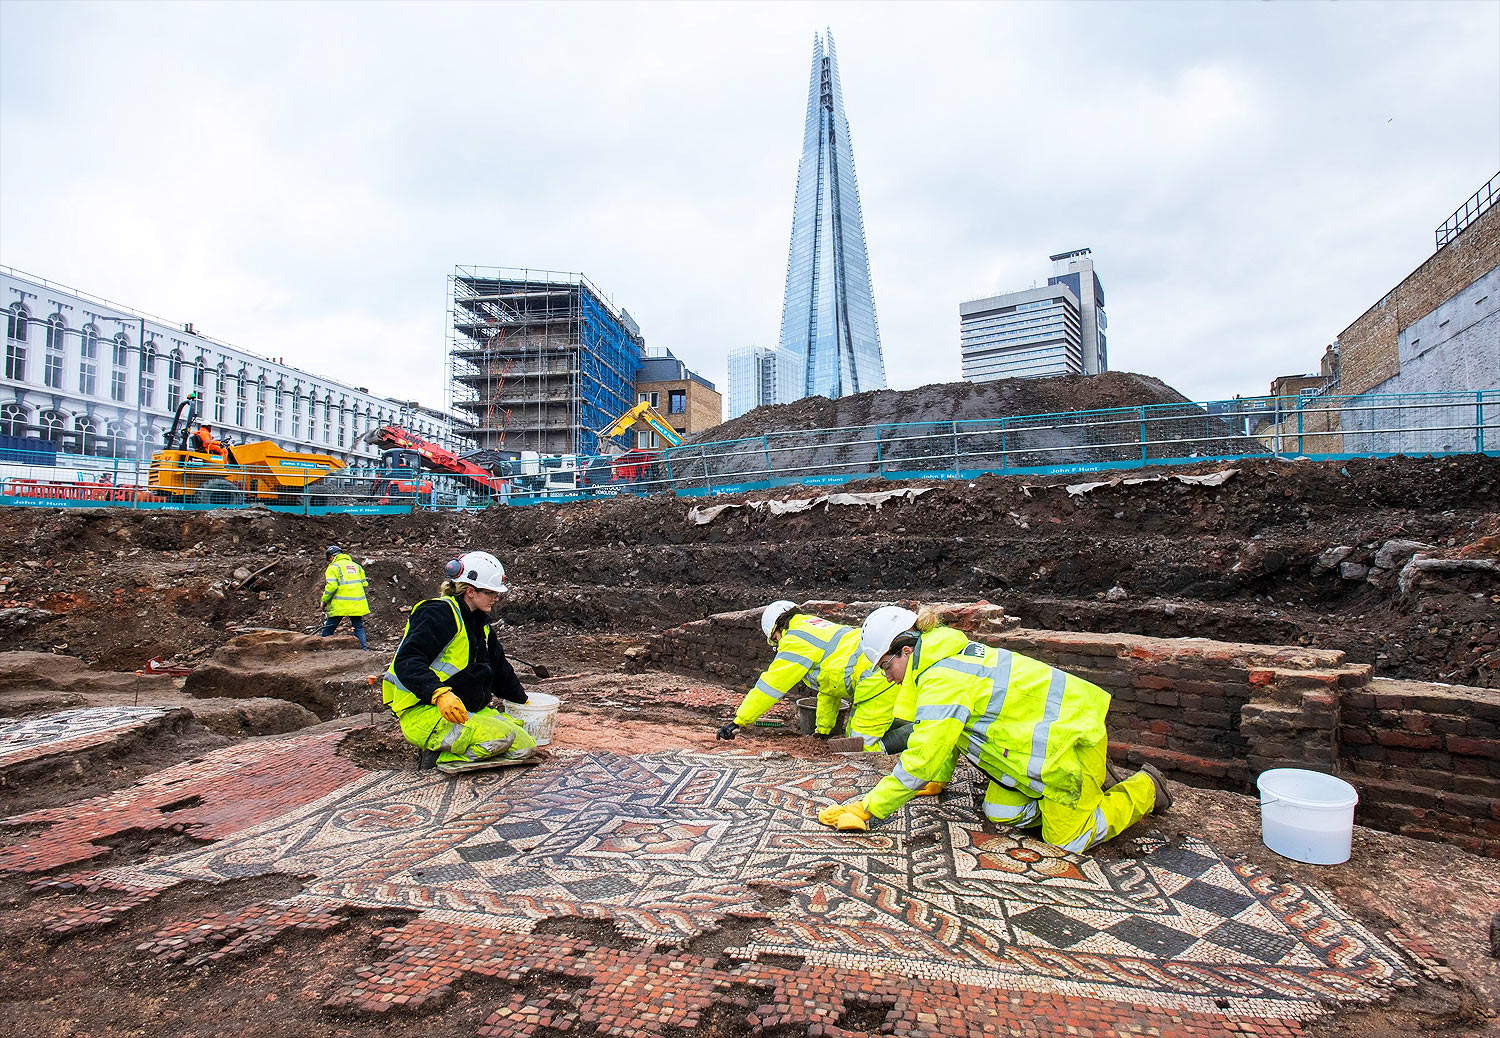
column 851, row 817
column 932, row 789
column 450, row 706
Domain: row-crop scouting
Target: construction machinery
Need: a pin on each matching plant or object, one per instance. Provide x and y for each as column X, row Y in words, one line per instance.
column 396, row 441
column 637, row 465
column 261, row 470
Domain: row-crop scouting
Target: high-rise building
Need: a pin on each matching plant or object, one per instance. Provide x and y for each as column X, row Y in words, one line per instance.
column 828, row 318
column 760, row 375
column 1055, row 330
column 1076, row 270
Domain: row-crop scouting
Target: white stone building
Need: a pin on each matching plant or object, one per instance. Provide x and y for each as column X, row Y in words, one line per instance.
column 93, row 377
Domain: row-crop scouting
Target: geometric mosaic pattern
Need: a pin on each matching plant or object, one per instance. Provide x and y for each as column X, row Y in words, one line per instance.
column 35, row 736
column 667, row 846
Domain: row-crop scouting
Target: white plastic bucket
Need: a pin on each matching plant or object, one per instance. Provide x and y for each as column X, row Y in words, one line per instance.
column 1306, row 815
column 537, row 715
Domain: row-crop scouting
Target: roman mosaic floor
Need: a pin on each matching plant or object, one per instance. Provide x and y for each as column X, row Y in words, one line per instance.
column 722, row 895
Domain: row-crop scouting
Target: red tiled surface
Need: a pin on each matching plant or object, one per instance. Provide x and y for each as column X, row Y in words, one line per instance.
column 236, row 787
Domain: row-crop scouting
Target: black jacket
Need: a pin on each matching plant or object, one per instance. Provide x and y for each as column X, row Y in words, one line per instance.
column 488, row 674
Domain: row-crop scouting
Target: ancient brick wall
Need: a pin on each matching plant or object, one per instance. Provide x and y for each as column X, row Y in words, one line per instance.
column 1425, row 758
column 1368, row 353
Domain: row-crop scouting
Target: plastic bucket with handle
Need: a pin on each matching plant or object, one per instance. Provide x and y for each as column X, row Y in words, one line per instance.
column 537, row 715
column 1306, row 815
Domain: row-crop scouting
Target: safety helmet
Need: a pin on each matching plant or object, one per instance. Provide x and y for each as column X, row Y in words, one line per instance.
column 772, row 613
column 480, row 569
column 882, row 627
column 332, row 550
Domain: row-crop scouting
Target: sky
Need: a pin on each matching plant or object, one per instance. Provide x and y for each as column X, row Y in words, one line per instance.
column 300, row 179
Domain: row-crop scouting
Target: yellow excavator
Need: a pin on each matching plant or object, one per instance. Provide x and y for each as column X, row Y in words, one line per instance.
column 643, row 412
column 187, row 470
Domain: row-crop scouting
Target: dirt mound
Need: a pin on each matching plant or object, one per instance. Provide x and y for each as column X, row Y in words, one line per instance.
column 328, row 676
column 951, row 401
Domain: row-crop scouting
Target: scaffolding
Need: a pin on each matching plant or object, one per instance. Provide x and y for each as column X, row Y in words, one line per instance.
column 540, row 359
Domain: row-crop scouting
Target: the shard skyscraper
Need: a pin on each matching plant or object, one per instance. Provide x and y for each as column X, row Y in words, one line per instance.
column 828, row 319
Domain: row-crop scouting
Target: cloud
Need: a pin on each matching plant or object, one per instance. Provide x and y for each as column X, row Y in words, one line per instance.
column 300, row 180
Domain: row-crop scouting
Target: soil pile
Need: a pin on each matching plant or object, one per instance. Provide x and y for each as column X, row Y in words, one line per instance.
column 951, row 401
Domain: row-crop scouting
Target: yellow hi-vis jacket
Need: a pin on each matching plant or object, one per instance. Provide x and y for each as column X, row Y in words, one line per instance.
column 344, row 587
column 824, row 658
column 1021, row 722
column 453, row 658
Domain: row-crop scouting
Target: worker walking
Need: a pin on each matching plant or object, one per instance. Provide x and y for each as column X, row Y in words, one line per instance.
column 344, row 584
column 1036, row 732
column 448, row 669
column 823, row 657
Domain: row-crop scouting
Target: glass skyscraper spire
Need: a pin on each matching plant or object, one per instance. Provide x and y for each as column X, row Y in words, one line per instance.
column 828, row 319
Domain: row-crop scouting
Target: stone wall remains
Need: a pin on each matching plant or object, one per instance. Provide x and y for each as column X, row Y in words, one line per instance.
column 1425, row 758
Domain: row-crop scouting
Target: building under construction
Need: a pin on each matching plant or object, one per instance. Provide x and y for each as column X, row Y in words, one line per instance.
column 541, row 359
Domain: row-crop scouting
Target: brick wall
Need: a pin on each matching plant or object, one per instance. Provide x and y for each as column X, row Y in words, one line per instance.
column 1425, row 758
column 1368, row 353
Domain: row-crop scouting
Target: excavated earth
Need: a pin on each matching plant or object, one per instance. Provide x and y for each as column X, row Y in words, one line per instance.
column 1392, row 561
column 1280, row 552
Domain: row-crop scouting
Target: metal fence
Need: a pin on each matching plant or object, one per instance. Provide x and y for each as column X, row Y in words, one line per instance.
column 1314, row 426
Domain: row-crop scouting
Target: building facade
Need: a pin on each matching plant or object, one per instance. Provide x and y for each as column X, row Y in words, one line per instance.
column 1059, row 329
column 828, row 317
column 541, row 360
column 761, row 375
column 688, row 401
column 1076, row 270
column 93, row 377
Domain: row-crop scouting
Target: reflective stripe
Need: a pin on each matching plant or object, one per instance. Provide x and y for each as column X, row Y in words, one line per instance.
column 822, row 643
column 454, row 731
column 1055, row 689
column 762, row 685
column 906, row 778
column 1086, row 839
column 793, row 657
column 346, row 598
column 1012, row 814
column 962, row 666
column 999, row 676
column 941, row 712
column 445, row 670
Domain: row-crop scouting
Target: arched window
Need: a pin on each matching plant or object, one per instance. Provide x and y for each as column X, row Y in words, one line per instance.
column 13, row 419
column 296, row 410
column 52, row 370
column 221, row 391
column 260, row 403
column 328, row 419
column 200, row 374
column 147, row 397
column 174, row 379
column 120, row 360
column 280, row 406
column 241, row 392
column 88, row 360
column 117, row 439
column 88, row 434
column 312, row 414
column 17, row 318
column 50, row 425
column 343, row 421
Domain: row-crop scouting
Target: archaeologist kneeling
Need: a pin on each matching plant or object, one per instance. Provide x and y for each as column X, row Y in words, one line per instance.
column 824, row 658
column 448, row 668
column 1035, row 731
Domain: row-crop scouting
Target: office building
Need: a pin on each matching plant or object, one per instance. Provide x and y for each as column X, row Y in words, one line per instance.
column 1057, row 329
column 761, row 375
column 828, row 317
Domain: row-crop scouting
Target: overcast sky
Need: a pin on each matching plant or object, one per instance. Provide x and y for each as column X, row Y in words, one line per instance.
column 299, row 179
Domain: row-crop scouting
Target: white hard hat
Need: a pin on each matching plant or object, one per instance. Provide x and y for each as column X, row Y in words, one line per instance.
column 773, row 612
column 482, row 570
column 882, row 627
